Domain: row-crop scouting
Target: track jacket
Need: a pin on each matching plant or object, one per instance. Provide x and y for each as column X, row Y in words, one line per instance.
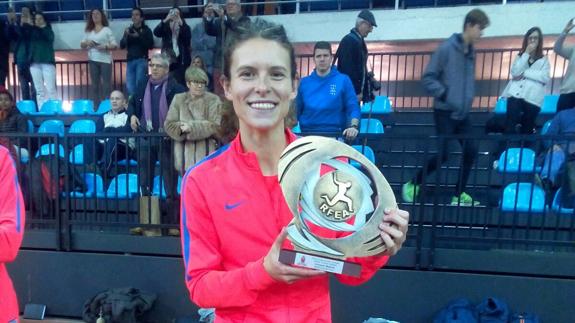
column 11, row 232
column 231, row 215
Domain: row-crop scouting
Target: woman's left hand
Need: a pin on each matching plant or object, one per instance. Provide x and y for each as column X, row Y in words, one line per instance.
column 184, row 128
column 394, row 230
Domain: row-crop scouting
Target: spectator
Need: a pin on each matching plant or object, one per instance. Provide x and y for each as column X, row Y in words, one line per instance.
column 224, row 26
column 204, row 46
column 12, row 221
column 20, row 35
column 43, row 62
column 99, row 40
column 241, row 255
column 148, row 109
column 138, row 40
column 116, row 121
column 450, row 79
column 193, row 121
column 526, row 89
column 4, row 53
column 567, row 97
column 12, row 121
column 176, row 37
column 326, row 100
column 198, row 62
column 351, row 54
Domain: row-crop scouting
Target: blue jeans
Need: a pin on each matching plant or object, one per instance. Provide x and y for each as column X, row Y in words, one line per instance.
column 553, row 162
column 137, row 70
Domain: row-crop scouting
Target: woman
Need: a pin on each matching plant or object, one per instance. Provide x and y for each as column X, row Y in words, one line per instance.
column 12, row 121
column 193, row 121
column 526, row 90
column 99, row 40
column 12, row 218
column 42, row 59
column 233, row 210
column 198, row 62
column 176, row 38
column 567, row 96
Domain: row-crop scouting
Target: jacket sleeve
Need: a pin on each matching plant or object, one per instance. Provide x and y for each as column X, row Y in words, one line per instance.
column 369, row 266
column 209, row 284
column 124, row 41
column 431, row 79
column 539, row 74
column 352, row 110
column 346, row 63
column 186, row 36
column 560, row 49
column 172, row 122
column 111, row 39
column 212, row 27
column 146, row 37
column 12, row 210
column 160, row 29
column 202, row 129
column 46, row 34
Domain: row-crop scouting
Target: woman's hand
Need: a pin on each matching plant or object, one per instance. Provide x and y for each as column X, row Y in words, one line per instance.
column 185, row 128
column 282, row 272
column 394, row 230
column 569, row 26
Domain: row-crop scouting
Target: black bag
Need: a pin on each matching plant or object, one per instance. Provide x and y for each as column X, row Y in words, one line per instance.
column 119, row 305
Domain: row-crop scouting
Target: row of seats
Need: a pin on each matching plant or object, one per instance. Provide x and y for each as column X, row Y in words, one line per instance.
column 123, row 186
column 84, row 126
column 525, row 197
column 371, row 126
column 549, row 106
column 56, row 107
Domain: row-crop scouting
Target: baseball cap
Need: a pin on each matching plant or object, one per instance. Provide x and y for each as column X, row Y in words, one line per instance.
column 367, row 16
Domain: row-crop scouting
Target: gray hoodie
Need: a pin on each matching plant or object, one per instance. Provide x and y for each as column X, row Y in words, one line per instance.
column 450, row 77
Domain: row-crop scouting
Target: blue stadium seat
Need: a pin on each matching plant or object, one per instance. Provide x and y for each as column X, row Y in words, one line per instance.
column 77, row 155
column 94, row 187
column 366, row 151
column 517, row 160
column 82, row 107
column 296, row 129
column 83, row 126
column 52, row 126
column 26, row 106
column 545, row 127
column 156, row 187
column 30, row 126
column 50, row 107
column 501, row 106
column 557, row 207
column 50, row 149
column 127, row 162
column 123, row 186
column 370, row 126
column 381, row 105
column 523, row 197
column 549, row 104
column 104, row 107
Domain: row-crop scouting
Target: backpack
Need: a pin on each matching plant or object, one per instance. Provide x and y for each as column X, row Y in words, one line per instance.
column 457, row 311
column 492, row 310
column 119, row 305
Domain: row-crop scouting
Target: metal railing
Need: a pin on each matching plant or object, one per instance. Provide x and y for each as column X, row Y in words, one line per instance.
column 399, row 73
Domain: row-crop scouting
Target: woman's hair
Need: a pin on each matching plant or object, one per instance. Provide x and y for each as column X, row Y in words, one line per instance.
column 4, row 91
column 258, row 28
column 539, row 50
column 34, row 14
column 196, row 74
column 90, row 22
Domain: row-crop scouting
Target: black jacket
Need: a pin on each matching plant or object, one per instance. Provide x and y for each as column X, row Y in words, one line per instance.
column 4, row 48
column 135, row 104
column 352, row 59
column 163, row 31
column 139, row 45
column 214, row 28
column 15, row 122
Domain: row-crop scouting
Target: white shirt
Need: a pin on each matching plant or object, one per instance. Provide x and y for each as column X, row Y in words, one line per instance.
column 533, row 80
column 103, row 37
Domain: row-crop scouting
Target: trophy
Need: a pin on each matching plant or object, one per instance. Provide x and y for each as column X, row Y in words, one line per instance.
column 337, row 197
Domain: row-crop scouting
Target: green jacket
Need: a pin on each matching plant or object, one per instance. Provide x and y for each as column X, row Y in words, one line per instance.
column 42, row 45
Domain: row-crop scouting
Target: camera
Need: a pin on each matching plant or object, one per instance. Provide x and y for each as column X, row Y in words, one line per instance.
column 172, row 12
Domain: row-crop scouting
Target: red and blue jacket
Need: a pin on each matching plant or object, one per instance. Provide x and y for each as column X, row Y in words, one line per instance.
column 231, row 215
column 12, row 213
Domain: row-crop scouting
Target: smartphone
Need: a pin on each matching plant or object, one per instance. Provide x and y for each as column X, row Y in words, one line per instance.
column 173, row 12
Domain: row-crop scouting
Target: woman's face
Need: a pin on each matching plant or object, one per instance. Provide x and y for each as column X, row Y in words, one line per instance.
column 534, row 38
column 197, row 62
column 6, row 105
column 39, row 20
column 96, row 17
column 260, row 84
column 197, row 89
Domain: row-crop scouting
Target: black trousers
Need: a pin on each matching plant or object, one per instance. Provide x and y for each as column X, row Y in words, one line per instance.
column 149, row 152
column 445, row 126
column 26, row 85
column 520, row 116
column 566, row 101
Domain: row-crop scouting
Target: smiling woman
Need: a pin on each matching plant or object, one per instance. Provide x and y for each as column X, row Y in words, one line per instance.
column 234, row 212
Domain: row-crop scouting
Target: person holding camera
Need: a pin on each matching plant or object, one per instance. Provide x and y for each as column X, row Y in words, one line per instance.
column 567, row 96
column 138, row 40
column 326, row 100
column 450, row 79
column 351, row 55
column 19, row 33
column 222, row 23
column 176, row 39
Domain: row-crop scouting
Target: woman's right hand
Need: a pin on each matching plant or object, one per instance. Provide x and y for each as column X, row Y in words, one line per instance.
column 282, row 272
column 569, row 26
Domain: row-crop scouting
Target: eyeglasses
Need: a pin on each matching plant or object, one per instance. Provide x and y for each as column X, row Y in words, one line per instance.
column 197, row 84
column 156, row 65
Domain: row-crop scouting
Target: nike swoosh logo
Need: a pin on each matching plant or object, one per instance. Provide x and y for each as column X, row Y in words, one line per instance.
column 229, row 207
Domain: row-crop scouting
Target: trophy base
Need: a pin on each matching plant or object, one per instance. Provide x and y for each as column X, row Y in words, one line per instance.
column 331, row 265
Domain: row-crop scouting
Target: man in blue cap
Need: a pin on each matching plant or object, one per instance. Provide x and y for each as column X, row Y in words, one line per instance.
column 352, row 54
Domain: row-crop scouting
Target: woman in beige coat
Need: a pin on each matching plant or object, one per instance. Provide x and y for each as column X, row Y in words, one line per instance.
column 193, row 121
